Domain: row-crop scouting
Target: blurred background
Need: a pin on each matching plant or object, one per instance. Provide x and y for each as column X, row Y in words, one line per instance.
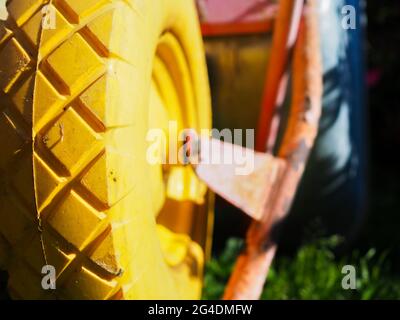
column 347, row 210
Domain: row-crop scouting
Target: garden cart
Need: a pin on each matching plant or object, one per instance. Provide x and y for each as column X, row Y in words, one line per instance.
column 81, row 85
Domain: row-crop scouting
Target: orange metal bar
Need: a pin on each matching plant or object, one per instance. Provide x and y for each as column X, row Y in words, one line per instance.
column 285, row 34
column 251, row 269
column 235, row 28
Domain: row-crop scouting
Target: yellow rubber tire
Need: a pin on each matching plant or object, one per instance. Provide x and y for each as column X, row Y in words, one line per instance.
column 77, row 98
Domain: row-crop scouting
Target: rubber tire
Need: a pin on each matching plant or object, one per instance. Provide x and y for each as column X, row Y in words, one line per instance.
column 74, row 105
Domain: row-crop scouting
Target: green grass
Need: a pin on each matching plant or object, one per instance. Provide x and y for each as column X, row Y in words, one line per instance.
column 313, row 273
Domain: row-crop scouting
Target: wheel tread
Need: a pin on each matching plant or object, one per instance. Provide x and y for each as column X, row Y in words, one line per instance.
column 85, row 256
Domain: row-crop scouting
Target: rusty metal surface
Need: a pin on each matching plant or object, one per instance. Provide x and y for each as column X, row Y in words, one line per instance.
column 285, row 34
column 253, row 264
column 249, row 192
column 266, row 195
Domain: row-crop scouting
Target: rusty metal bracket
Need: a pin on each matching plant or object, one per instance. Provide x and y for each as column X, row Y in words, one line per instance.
column 267, row 193
column 249, row 192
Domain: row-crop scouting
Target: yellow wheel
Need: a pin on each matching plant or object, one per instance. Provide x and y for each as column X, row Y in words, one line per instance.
column 79, row 92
